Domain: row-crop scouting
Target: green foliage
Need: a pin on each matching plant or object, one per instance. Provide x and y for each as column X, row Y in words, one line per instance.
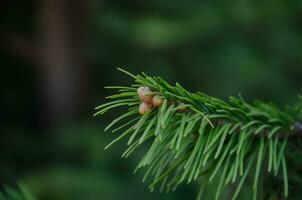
column 21, row 193
column 196, row 137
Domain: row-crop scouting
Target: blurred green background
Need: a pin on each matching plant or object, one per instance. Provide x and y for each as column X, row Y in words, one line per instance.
column 56, row 57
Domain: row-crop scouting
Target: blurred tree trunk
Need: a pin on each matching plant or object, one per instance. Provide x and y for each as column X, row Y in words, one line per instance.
column 62, row 59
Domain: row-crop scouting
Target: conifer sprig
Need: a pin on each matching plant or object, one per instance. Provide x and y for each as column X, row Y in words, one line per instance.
column 192, row 135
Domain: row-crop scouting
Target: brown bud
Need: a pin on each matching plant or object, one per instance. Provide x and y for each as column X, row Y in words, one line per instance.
column 157, row 101
column 140, row 90
column 144, row 108
column 145, row 94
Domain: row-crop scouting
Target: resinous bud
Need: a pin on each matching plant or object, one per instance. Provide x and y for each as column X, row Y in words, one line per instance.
column 157, row 101
column 145, row 94
column 144, row 108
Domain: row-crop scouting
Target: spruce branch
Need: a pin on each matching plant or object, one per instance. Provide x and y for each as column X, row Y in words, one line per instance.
column 196, row 137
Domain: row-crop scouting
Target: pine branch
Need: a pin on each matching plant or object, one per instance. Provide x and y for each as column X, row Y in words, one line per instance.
column 192, row 135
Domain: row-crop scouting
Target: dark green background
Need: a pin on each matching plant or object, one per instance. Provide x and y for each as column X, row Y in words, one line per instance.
column 219, row 47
